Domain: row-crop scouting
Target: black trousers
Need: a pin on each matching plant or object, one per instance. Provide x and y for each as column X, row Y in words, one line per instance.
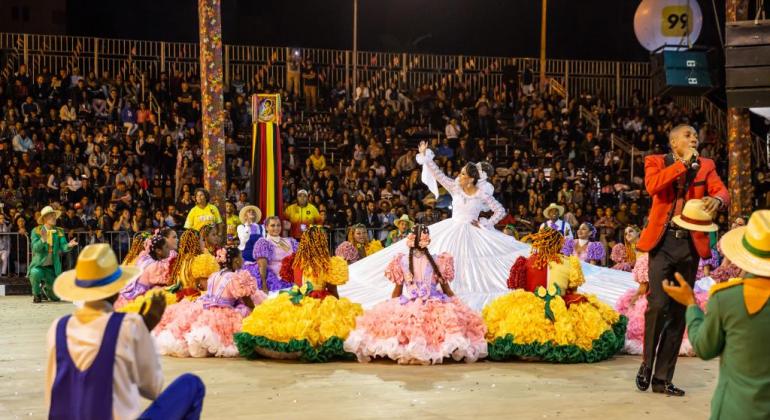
column 664, row 321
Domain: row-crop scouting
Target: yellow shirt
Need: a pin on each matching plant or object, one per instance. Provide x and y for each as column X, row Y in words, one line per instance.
column 318, row 162
column 199, row 217
column 232, row 224
column 301, row 218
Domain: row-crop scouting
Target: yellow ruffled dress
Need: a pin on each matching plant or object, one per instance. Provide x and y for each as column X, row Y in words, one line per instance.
column 305, row 323
column 552, row 322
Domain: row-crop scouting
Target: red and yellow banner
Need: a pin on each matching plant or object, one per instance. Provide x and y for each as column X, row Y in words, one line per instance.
column 266, row 180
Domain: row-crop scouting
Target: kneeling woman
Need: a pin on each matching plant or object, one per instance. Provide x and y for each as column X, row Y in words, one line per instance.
column 156, row 268
column 268, row 254
column 545, row 318
column 423, row 323
column 309, row 322
column 358, row 245
column 205, row 327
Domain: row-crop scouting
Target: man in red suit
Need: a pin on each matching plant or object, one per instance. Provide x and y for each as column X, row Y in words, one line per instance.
column 671, row 180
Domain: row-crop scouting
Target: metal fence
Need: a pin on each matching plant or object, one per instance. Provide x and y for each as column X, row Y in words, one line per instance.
column 16, row 249
column 610, row 79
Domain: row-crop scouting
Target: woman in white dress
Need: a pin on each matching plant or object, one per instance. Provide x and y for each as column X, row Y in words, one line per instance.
column 483, row 256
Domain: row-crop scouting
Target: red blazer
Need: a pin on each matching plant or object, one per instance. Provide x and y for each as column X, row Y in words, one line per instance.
column 659, row 181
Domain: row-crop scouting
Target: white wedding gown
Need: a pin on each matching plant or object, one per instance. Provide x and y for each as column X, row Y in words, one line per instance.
column 483, row 255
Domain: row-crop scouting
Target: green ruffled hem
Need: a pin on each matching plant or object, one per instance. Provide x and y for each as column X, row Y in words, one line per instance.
column 330, row 349
column 604, row 347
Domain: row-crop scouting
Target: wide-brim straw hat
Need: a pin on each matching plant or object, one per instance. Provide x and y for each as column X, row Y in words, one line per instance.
column 45, row 212
column 245, row 210
column 551, row 207
column 748, row 246
column 404, row 219
column 96, row 276
column 694, row 217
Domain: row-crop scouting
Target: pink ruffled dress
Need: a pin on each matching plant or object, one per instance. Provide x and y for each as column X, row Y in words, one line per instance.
column 634, row 306
column 423, row 325
column 155, row 275
column 619, row 256
column 206, row 326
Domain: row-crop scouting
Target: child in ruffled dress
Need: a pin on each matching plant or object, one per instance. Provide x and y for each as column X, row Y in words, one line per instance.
column 423, row 323
column 155, row 264
column 205, row 327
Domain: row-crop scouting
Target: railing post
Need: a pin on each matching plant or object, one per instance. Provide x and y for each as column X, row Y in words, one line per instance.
column 96, row 57
column 162, row 57
column 566, row 81
column 617, row 82
column 26, row 49
column 347, row 75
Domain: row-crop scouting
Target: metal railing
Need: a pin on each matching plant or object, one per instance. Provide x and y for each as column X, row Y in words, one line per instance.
column 16, row 251
column 611, row 79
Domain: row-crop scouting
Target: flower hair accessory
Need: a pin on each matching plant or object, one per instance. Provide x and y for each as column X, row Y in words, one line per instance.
column 482, row 173
column 423, row 233
column 221, row 256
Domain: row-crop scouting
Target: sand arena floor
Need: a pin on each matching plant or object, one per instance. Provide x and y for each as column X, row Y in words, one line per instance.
column 265, row 389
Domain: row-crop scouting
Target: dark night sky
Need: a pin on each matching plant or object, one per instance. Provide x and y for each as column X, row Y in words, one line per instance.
column 588, row 29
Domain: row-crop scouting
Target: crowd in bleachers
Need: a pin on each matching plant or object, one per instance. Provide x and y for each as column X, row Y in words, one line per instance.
column 120, row 157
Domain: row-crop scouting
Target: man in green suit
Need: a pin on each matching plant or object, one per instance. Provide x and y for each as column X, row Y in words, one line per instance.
column 736, row 325
column 48, row 243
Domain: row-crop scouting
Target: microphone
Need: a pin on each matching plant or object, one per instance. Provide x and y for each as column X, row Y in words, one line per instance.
column 694, row 164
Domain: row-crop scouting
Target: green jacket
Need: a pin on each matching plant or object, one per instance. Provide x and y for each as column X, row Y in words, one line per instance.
column 727, row 330
column 40, row 249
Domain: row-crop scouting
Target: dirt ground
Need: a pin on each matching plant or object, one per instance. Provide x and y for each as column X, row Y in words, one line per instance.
column 264, row 389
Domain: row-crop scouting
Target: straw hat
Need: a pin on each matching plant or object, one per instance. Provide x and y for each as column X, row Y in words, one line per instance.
column 404, row 219
column 748, row 246
column 45, row 212
column 245, row 210
column 551, row 207
column 96, row 276
column 694, row 217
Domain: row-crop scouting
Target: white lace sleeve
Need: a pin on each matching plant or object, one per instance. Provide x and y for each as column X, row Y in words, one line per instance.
column 432, row 173
column 488, row 188
column 495, row 206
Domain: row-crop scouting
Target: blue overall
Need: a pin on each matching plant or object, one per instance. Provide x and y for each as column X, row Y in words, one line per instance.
column 87, row 394
column 248, row 250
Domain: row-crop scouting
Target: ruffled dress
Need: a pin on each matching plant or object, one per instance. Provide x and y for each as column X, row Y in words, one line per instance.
column 591, row 251
column 205, row 327
column 634, row 306
column 350, row 253
column 545, row 319
column 265, row 248
column 619, row 256
column 423, row 325
column 155, row 276
column 304, row 323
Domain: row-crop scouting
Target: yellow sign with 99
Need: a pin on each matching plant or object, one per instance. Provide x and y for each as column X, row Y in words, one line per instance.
column 675, row 21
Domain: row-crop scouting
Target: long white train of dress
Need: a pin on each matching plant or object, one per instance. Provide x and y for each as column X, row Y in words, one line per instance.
column 483, row 256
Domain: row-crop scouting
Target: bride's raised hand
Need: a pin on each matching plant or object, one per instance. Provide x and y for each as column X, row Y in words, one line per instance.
column 422, row 147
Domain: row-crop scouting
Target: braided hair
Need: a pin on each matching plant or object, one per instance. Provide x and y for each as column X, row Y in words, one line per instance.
column 631, row 248
column 361, row 248
column 137, row 246
column 417, row 231
column 546, row 245
column 204, row 234
column 313, row 251
column 226, row 257
column 189, row 247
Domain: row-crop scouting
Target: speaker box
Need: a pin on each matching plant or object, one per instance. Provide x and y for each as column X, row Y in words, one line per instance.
column 681, row 73
column 747, row 64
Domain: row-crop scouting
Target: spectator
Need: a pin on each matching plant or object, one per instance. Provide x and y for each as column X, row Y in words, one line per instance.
column 203, row 213
column 300, row 215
